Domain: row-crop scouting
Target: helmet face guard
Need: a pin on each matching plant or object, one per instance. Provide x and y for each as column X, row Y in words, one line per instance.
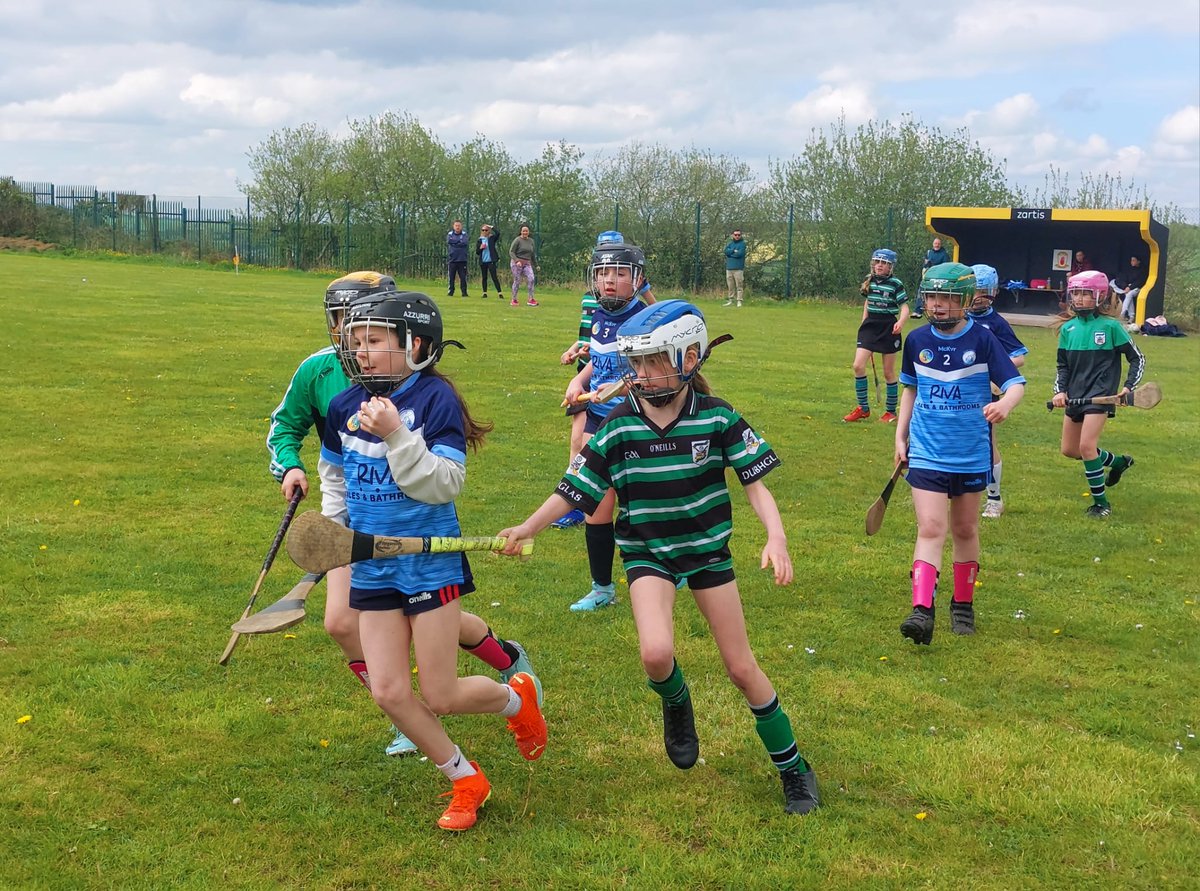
column 670, row 330
column 953, row 280
column 382, row 327
column 615, row 274
column 884, row 255
column 987, row 285
column 1087, row 292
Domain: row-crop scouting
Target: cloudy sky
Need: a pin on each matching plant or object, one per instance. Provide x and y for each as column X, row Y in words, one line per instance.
column 168, row 97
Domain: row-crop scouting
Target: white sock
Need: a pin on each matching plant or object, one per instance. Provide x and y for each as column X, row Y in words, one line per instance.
column 514, row 703
column 457, row 767
column 993, row 489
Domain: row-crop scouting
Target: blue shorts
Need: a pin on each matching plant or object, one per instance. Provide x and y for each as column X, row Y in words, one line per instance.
column 950, row 484
column 593, row 422
column 381, row 599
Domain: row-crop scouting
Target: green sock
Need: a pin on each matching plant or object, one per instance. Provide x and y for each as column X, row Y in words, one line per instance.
column 775, row 730
column 860, row 393
column 1093, row 469
column 673, row 689
column 893, row 395
column 1106, row 458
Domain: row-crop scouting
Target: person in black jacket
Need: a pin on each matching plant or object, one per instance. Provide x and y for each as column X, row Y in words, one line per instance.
column 456, row 247
column 488, row 252
column 1128, row 285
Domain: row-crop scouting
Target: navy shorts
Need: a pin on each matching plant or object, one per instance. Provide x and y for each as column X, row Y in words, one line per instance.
column 875, row 334
column 381, row 599
column 950, row 484
column 593, row 422
column 697, row 581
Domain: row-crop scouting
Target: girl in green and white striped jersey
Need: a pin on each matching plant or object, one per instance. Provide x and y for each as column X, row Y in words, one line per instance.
column 665, row 451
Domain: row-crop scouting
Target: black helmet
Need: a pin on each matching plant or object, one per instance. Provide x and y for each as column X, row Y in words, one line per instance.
column 343, row 291
column 617, row 254
column 410, row 314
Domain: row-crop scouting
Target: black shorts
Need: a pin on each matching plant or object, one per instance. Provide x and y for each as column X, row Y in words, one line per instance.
column 875, row 334
column 1075, row 413
column 576, row 408
column 381, row 599
column 949, row 484
column 697, row 581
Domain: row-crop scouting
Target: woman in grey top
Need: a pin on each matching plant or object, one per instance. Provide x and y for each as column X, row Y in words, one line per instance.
column 522, row 254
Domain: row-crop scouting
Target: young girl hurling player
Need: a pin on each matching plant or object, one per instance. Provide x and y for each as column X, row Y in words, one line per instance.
column 885, row 310
column 665, row 450
column 944, row 434
column 617, row 274
column 393, row 459
column 987, row 285
column 1090, row 346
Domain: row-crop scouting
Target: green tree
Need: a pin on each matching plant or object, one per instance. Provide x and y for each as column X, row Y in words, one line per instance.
column 18, row 213
column 854, row 191
column 560, row 195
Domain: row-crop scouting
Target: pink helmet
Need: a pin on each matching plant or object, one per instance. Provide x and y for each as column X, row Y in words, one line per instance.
column 1093, row 280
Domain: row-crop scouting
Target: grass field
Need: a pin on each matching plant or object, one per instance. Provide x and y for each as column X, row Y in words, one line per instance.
column 1054, row 749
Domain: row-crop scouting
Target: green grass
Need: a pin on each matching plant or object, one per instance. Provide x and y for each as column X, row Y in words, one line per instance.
column 1048, row 751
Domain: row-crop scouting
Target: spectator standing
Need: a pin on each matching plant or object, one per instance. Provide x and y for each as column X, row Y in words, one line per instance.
column 735, row 267
column 935, row 257
column 522, row 255
column 488, row 250
column 456, row 246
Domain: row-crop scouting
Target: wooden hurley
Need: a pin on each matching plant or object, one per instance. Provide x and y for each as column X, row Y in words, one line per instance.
column 318, row 544
column 1147, row 395
column 285, row 612
column 876, row 511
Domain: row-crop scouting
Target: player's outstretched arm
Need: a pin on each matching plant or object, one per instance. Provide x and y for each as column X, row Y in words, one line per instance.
column 774, row 552
column 554, row 508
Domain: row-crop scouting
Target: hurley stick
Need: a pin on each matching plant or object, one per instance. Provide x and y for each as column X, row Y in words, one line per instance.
column 318, row 544
column 283, row 526
column 285, row 612
column 876, row 510
column 1147, row 395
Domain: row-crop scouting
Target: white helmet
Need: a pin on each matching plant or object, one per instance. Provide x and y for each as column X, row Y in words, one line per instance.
column 671, row 327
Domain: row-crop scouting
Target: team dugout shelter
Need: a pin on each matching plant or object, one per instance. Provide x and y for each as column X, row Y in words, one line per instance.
column 1032, row 250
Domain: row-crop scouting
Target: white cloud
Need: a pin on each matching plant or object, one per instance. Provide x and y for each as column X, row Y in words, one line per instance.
column 1181, row 128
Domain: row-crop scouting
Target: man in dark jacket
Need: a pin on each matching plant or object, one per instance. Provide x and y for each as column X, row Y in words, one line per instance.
column 456, row 245
column 935, row 257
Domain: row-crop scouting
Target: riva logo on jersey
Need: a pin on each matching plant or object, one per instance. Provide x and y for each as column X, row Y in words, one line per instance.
column 700, row 450
column 938, row 391
column 408, row 418
column 1099, row 338
column 374, row 476
column 926, row 356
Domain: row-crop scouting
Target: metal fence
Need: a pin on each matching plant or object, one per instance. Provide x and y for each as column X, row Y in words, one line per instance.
column 788, row 255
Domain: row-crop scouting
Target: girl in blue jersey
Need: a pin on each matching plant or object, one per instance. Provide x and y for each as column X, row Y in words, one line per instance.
column 617, row 272
column 943, row 434
column 393, row 459
column 987, row 284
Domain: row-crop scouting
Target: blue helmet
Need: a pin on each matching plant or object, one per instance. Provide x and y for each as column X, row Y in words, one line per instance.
column 987, row 284
column 672, row 327
column 610, row 236
column 886, row 255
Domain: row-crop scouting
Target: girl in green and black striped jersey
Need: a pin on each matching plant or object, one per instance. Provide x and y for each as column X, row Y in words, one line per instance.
column 1090, row 346
column 665, row 451
column 885, row 310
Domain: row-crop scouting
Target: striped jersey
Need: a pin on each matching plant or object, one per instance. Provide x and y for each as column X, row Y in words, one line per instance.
column 1089, row 358
column 953, row 376
column 884, row 295
column 608, row 366
column 674, row 509
column 376, row 504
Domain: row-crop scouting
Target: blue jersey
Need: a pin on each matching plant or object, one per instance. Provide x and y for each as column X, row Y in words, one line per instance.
column 376, row 504
column 999, row 326
column 953, row 375
column 608, row 365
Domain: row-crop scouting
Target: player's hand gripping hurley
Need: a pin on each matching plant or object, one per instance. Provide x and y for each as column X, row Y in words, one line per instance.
column 283, row 527
column 1147, row 395
column 319, row 544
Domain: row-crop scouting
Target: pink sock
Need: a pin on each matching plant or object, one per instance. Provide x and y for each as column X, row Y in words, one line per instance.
column 924, row 583
column 964, row 581
column 360, row 671
column 489, row 650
